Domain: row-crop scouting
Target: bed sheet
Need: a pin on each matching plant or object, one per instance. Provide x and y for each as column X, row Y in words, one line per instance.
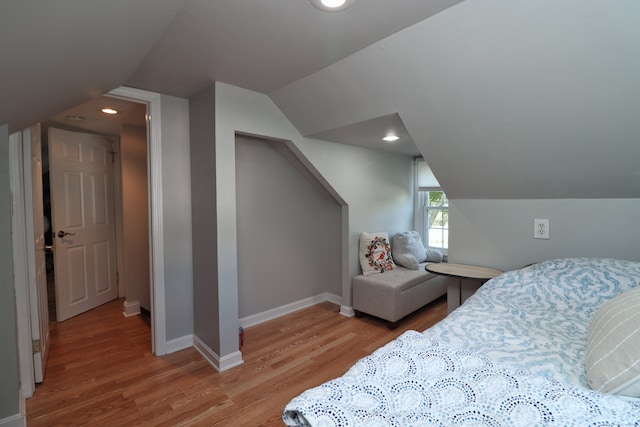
column 537, row 318
column 419, row 381
column 511, row 355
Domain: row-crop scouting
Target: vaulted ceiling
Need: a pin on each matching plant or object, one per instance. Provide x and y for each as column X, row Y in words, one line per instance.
column 518, row 99
column 57, row 54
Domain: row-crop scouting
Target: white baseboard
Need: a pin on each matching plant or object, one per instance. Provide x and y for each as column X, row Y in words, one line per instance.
column 231, row 361
column 235, row 359
column 333, row 298
column 265, row 316
column 347, row 311
column 179, row 344
column 220, row 364
column 131, row 308
column 17, row 420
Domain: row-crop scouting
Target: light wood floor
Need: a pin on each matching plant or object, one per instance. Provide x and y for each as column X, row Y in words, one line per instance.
column 101, row 371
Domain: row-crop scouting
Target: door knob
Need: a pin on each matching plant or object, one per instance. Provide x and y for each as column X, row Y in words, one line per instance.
column 62, row 234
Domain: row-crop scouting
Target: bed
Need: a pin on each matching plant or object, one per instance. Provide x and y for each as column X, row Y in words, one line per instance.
column 533, row 346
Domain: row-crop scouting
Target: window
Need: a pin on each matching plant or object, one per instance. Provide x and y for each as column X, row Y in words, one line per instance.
column 431, row 209
column 436, row 219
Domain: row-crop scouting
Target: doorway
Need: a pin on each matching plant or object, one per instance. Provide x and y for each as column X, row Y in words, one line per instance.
column 157, row 257
column 95, row 188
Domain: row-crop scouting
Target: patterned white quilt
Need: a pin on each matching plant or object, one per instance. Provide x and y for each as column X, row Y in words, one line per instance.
column 512, row 355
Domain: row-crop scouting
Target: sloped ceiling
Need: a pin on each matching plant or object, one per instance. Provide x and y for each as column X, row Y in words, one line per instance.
column 265, row 45
column 57, row 54
column 517, row 99
column 521, row 99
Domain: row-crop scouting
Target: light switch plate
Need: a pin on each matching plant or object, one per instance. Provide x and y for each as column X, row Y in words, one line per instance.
column 540, row 228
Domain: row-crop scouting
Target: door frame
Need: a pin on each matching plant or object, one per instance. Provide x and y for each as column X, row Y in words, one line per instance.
column 156, row 235
column 20, row 268
column 156, row 222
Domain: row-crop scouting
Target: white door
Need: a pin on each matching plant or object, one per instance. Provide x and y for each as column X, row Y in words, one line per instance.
column 36, row 261
column 82, row 199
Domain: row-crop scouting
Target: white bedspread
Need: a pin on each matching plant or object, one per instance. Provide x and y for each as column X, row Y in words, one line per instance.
column 537, row 318
column 416, row 381
column 512, row 355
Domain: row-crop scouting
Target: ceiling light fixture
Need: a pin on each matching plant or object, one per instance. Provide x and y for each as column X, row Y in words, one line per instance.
column 110, row 111
column 390, row 138
column 332, row 5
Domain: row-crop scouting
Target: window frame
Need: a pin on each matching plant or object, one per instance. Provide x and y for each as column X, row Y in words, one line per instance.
column 421, row 205
column 423, row 196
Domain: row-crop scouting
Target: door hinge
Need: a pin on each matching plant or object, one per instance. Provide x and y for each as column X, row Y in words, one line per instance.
column 35, row 346
column 117, row 277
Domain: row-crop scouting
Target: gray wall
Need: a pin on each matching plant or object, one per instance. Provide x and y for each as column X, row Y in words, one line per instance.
column 333, row 253
column 205, row 236
column 9, row 404
column 135, row 215
column 376, row 187
column 176, row 207
column 499, row 233
column 288, row 231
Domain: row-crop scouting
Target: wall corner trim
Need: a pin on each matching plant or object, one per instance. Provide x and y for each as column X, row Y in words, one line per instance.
column 219, row 363
column 180, row 344
column 19, row 419
column 347, row 311
column 274, row 313
column 131, row 308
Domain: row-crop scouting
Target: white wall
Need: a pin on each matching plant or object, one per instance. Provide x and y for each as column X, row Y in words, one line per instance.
column 176, row 211
column 376, row 186
column 135, row 215
column 204, row 218
column 288, row 231
column 499, row 233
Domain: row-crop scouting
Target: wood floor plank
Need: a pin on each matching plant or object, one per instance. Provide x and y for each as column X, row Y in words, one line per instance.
column 101, row 371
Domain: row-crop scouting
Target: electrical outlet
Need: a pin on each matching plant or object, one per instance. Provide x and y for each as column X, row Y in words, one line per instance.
column 540, row 228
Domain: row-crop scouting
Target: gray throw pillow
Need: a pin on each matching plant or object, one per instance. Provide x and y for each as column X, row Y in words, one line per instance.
column 408, row 250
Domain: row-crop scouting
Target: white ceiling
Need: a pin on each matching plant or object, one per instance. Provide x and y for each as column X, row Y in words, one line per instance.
column 265, row 45
column 517, row 99
column 88, row 116
column 525, row 99
column 58, row 54
column 66, row 52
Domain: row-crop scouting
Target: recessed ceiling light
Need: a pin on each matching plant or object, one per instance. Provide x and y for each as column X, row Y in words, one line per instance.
column 332, row 5
column 390, row 138
column 110, row 111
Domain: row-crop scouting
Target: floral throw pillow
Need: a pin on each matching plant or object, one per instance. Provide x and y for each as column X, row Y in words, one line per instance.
column 375, row 253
